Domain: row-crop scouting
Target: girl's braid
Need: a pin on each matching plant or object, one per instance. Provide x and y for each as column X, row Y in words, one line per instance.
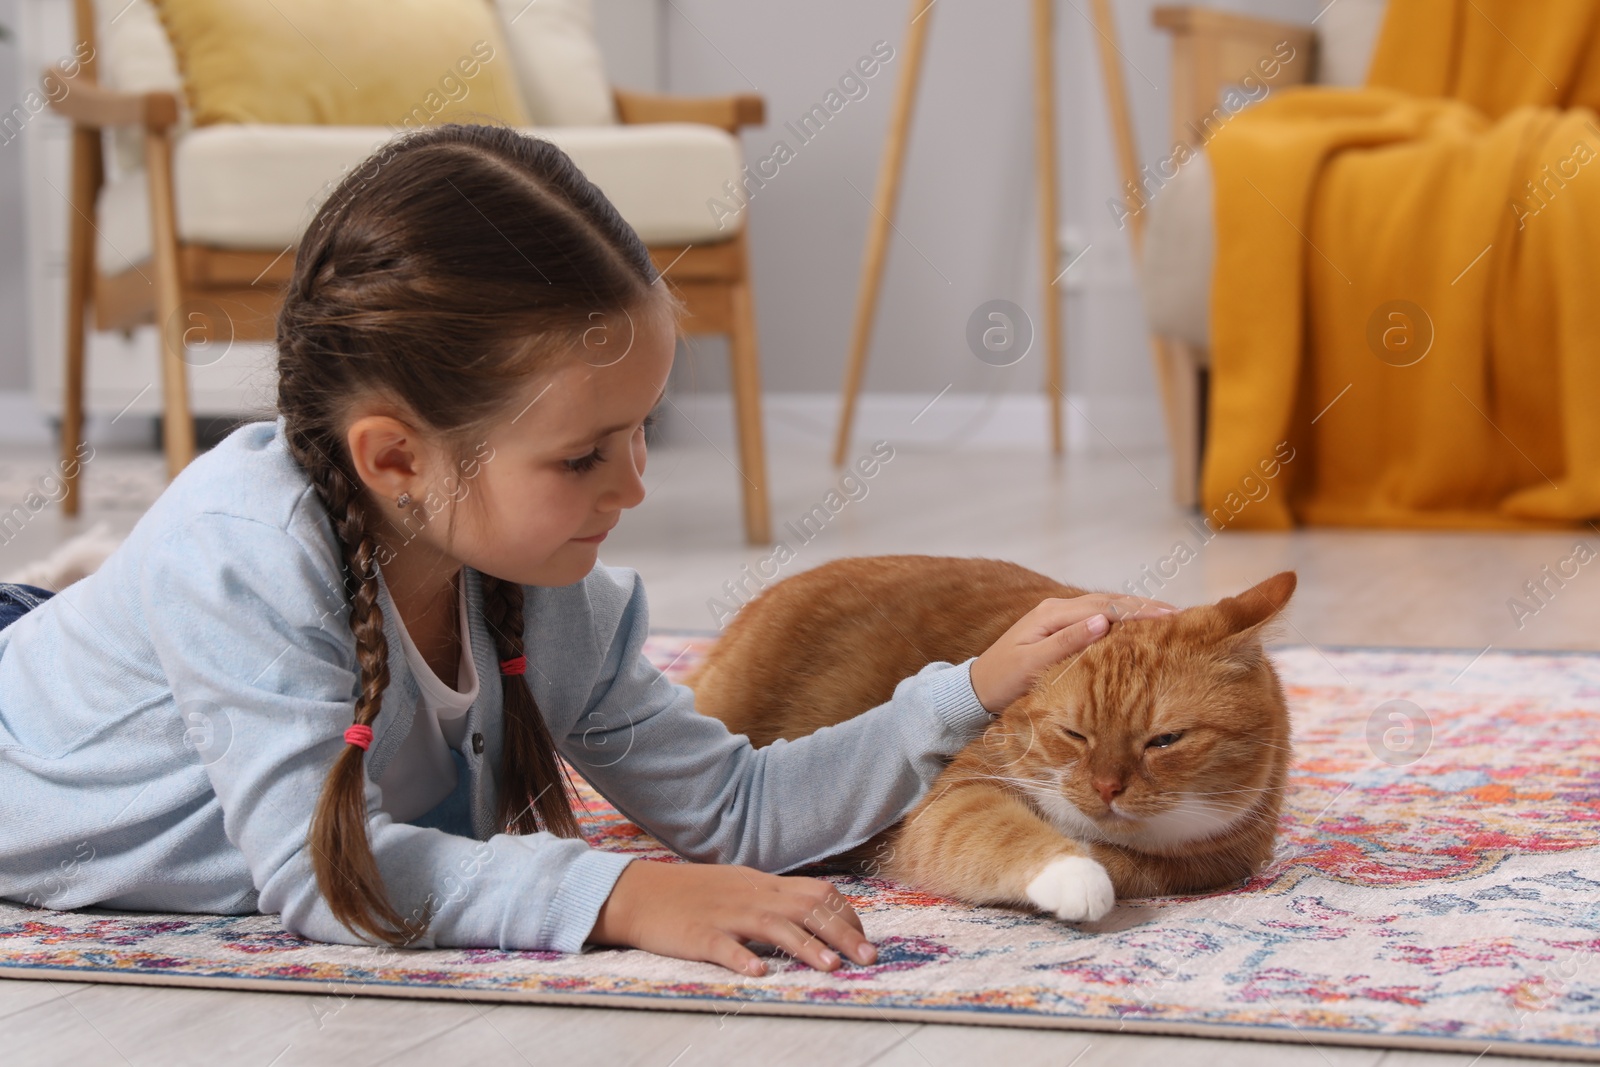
column 525, row 729
column 341, row 812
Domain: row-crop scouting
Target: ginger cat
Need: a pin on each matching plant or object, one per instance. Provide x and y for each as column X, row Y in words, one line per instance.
column 1151, row 763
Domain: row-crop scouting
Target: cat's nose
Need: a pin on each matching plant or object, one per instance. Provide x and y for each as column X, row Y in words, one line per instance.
column 1108, row 788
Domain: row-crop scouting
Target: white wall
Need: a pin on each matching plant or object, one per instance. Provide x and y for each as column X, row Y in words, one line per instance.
column 13, row 291
column 632, row 41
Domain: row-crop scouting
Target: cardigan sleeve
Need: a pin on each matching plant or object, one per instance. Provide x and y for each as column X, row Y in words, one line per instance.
column 253, row 634
column 711, row 796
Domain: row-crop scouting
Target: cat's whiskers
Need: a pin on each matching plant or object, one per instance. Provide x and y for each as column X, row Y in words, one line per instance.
column 1250, row 815
column 1209, row 811
column 1027, row 785
column 1268, row 744
column 1197, row 815
column 1070, row 820
column 1195, row 818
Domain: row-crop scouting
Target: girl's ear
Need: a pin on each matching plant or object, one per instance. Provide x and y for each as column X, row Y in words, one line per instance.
column 1243, row 615
column 385, row 453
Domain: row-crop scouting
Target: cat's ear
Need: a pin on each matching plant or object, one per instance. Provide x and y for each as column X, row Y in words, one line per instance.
column 1244, row 615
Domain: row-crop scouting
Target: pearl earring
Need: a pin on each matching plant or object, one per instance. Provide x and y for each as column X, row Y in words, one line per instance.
column 403, row 500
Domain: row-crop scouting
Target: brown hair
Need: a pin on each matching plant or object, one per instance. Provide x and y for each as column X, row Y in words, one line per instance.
column 442, row 274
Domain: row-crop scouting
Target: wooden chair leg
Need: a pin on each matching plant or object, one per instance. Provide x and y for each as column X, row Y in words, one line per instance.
column 884, row 199
column 1044, row 142
column 1183, row 420
column 1175, row 365
column 178, row 424
column 86, row 164
column 746, row 367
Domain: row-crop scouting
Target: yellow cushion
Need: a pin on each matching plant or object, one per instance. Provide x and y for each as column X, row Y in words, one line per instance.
column 398, row 63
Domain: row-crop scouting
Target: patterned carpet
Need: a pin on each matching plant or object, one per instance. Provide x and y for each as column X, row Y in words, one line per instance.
column 1437, row 886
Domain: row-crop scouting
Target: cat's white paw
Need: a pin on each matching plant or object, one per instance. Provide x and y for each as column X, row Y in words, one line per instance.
column 1073, row 887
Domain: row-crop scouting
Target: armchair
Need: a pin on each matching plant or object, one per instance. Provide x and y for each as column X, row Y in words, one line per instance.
column 193, row 229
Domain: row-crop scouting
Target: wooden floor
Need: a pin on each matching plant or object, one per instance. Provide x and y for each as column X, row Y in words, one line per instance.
column 1097, row 520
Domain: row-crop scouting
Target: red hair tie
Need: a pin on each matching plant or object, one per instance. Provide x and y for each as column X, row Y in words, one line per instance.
column 514, row 666
column 360, row 736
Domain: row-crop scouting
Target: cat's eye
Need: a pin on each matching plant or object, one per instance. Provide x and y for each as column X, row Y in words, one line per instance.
column 1075, row 735
column 1162, row 740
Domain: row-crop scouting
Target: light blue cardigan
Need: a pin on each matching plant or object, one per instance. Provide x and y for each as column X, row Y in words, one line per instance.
column 166, row 725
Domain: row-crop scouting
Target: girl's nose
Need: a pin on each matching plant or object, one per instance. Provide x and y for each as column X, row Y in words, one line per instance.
column 632, row 490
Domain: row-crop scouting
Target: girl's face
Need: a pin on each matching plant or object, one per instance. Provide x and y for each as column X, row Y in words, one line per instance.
column 531, row 496
column 557, row 473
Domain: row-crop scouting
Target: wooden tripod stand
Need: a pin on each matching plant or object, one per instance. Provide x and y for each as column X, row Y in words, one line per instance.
column 888, row 194
column 1176, row 380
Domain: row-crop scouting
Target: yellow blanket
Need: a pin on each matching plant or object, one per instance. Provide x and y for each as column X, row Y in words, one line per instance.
column 1406, row 297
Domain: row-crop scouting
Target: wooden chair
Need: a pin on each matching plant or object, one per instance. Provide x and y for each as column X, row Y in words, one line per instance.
column 185, row 280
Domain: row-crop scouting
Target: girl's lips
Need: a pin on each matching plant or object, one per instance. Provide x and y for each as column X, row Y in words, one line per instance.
column 596, row 539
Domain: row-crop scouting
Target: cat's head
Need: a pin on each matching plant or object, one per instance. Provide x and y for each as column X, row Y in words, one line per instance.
column 1163, row 732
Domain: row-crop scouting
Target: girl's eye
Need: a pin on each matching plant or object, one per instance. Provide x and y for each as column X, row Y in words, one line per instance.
column 1162, row 740
column 584, row 464
column 1075, row 735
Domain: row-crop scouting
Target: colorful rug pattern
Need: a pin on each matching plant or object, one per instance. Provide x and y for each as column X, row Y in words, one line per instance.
column 1437, row 885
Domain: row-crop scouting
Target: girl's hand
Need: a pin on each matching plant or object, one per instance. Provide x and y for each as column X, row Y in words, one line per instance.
column 1057, row 628
column 706, row 912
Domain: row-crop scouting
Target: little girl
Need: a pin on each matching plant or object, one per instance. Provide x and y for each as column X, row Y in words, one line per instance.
column 331, row 673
